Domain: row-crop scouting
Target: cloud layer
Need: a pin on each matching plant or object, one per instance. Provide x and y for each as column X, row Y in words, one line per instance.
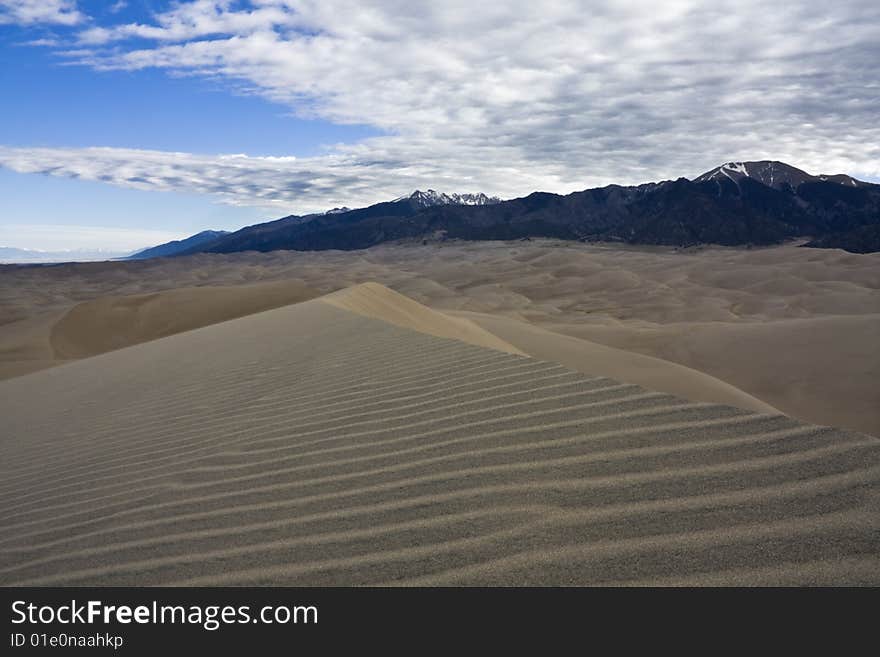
column 506, row 97
column 29, row 12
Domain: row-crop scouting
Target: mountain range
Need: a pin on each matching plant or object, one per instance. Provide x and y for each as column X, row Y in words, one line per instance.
column 179, row 246
column 738, row 203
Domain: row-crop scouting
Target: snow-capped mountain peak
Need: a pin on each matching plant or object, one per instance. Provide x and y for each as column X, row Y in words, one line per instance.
column 432, row 197
column 771, row 173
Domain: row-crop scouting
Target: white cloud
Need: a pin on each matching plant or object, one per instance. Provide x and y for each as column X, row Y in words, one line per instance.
column 196, row 19
column 28, row 12
column 358, row 175
column 506, row 97
column 44, row 42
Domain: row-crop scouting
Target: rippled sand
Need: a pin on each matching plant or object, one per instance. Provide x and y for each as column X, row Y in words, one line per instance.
column 363, row 439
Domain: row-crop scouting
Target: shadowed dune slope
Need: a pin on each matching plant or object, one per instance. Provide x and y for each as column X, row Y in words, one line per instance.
column 108, row 323
column 111, row 322
column 312, row 445
column 25, row 345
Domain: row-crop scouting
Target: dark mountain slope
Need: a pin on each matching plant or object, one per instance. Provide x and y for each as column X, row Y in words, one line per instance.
column 864, row 239
column 321, row 231
column 179, row 246
column 715, row 208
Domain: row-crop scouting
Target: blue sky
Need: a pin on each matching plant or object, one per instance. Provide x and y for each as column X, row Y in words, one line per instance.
column 127, row 123
column 49, row 103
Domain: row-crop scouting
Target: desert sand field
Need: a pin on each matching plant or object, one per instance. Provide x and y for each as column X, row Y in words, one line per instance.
column 362, row 438
column 784, row 328
column 478, row 413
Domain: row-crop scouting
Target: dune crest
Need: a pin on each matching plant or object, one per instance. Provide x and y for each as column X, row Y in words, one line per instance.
column 379, row 302
column 504, row 334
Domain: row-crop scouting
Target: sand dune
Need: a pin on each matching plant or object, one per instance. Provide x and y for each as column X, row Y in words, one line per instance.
column 798, row 329
column 112, row 322
column 822, row 367
column 377, row 301
column 503, row 334
column 598, row 360
column 25, row 345
column 107, row 323
column 313, row 445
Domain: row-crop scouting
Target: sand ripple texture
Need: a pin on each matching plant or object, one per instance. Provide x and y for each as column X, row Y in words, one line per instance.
column 311, row 445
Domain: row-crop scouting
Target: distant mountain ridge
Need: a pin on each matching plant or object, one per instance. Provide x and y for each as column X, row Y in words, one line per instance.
column 738, row 203
column 265, row 236
column 178, row 246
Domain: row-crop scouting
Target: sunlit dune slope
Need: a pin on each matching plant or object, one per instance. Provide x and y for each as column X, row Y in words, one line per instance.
column 380, row 302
